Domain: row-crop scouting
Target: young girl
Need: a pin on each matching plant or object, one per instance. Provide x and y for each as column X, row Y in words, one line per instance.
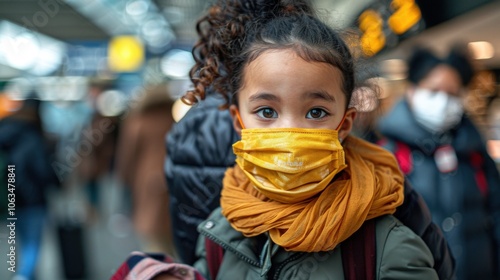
column 301, row 185
column 305, row 200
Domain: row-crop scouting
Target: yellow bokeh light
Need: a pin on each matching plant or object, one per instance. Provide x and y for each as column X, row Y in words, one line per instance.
column 407, row 14
column 126, row 54
column 373, row 38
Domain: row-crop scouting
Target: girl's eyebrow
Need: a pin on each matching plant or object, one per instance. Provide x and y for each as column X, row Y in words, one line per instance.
column 263, row 96
column 320, row 95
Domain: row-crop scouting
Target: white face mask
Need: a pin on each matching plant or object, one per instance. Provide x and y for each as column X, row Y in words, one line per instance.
column 436, row 111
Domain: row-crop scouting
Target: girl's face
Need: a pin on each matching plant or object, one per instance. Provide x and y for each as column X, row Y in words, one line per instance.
column 281, row 90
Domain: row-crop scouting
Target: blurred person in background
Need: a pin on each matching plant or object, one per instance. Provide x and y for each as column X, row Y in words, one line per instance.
column 23, row 144
column 140, row 156
column 102, row 133
column 444, row 157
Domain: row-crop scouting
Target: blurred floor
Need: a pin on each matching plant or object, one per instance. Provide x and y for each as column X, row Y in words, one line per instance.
column 107, row 240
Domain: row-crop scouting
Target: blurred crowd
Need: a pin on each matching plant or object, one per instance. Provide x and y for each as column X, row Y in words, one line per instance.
column 170, row 166
column 54, row 152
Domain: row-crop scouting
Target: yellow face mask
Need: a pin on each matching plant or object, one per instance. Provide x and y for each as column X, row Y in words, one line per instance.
column 289, row 164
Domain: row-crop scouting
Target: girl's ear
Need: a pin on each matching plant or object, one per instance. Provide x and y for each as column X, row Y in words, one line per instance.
column 346, row 127
column 233, row 110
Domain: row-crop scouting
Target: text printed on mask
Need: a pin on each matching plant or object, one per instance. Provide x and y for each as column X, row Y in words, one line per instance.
column 288, row 163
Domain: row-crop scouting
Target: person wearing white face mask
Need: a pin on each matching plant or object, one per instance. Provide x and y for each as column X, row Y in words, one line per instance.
column 436, row 111
column 444, row 157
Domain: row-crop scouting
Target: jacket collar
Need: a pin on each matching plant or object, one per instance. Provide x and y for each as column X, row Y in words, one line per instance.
column 218, row 229
column 257, row 251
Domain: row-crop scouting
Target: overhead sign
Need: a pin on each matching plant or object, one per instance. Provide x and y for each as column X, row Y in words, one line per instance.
column 86, row 58
column 384, row 23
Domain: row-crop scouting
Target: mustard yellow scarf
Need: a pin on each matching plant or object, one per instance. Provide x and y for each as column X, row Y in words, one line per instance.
column 371, row 186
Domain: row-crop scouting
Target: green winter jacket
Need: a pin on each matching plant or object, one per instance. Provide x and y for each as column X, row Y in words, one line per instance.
column 401, row 254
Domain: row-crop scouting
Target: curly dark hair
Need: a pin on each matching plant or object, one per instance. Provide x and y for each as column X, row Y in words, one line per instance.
column 235, row 32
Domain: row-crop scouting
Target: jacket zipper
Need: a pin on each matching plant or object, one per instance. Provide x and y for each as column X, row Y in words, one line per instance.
column 293, row 258
column 228, row 248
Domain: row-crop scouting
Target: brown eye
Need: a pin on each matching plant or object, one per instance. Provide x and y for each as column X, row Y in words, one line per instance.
column 316, row 114
column 267, row 113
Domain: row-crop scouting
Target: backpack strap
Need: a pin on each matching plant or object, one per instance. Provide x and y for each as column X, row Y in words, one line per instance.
column 359, row 253
column 214, row 255
column 404, row 157
column 402, row 153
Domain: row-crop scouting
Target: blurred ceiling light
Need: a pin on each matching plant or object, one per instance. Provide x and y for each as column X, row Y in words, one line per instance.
column 30, row 51
column 161, row 43
column 136, row 17
column 153, row 27
column 174, row 15
column 137, row 8
column 394, row 69
column 49, row 59
column 177, row 63
column 22, row 51
column 111, row 103
column 179, row 110
column 157, row 34
column 103, row 14
column 18, row 46
column 481, row 49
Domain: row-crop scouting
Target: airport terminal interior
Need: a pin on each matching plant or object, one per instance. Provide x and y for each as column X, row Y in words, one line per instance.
column 82, row 59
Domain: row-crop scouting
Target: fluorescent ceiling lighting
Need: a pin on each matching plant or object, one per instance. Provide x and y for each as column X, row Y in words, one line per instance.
column 29, row 51
column 177, row 63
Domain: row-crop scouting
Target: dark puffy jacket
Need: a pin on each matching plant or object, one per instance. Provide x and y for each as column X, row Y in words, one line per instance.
column 22, row 142
column 200, row 150
column 470, row 222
